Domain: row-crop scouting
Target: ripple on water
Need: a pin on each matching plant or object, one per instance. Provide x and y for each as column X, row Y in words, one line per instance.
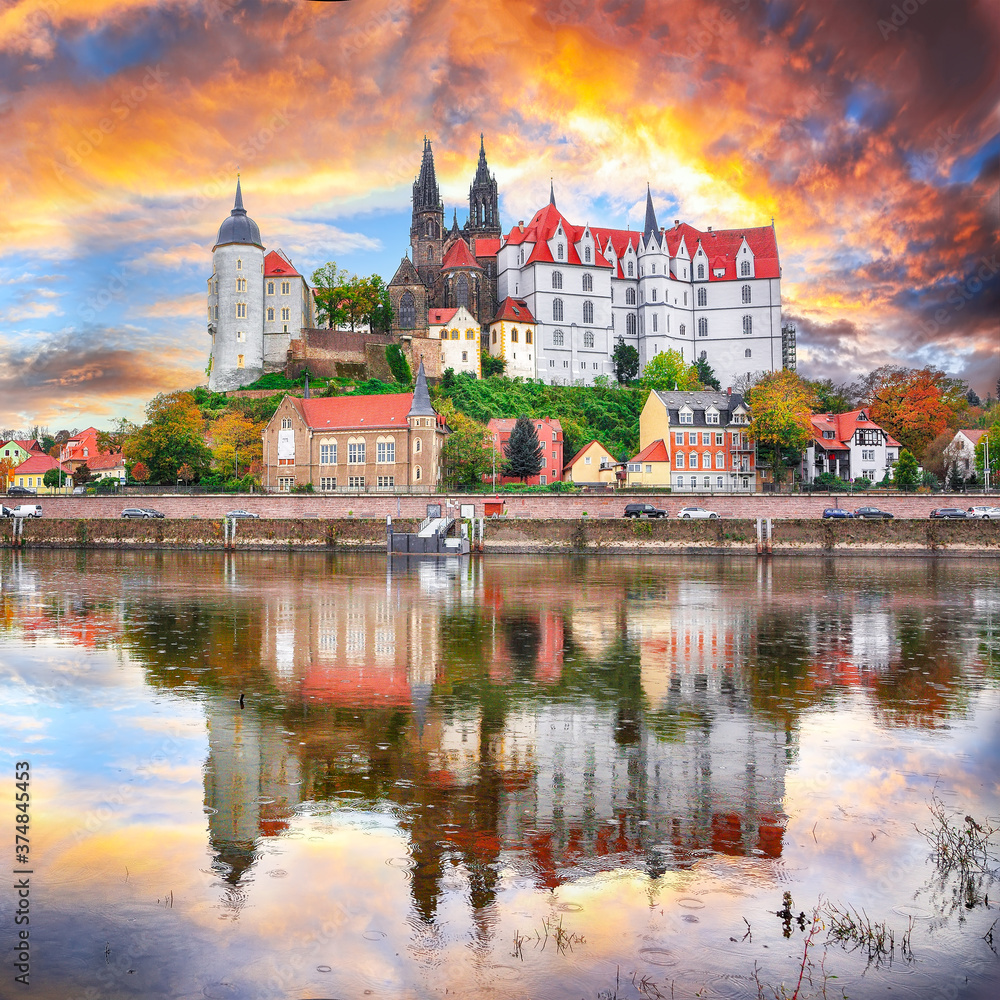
column 658, row 955
column 690, row 903
column 374, row 935
column 569, row 907
column 221, row 991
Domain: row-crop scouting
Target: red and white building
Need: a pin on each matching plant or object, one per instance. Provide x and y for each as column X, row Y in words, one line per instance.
column 711, row 294
column 960, row 452
column 849, row 445
column 550, row 437
column 512, row 337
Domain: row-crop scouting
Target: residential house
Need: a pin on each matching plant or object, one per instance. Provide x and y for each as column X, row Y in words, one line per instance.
column 960, row 452
column 706, row 443
column 550, row 437
column 107, row 466
column 850, row 446
column 388, row 442
column 593, row 463
column 31, row 473
column 512, row 337
column 13, row 453
column 458, row 331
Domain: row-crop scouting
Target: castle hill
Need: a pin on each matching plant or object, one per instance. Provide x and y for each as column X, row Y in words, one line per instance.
column 500, row 501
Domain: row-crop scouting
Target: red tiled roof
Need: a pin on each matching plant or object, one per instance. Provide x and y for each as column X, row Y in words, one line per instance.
column 655, row 452
column 584, row 448
column 28, row 444
column 38, row 464
column 514, row 310
column 843, row 426
column 504, row 425
column 105, row 460
column 543, row 226
column 485, row 246
column 349, row 412
column 458, row 255
column 972, row 435
column 439, row 317
column 276, row 265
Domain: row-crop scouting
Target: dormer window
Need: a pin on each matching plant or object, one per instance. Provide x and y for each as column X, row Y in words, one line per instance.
column 711, row 416
column 686, row 416
column 745, row 269
column 586, row 255
column 631, row 270
column 560, row 251
column 701, row 272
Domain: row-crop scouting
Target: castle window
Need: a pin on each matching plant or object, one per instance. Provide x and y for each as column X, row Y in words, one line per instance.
column 241, row 284
column 747, row 353
column 465, row 355
column 653, row 269
column 216, row 312
column 630, row 296
column 494, row 336
column 557, row 279
column 586, row 254
column 416, row 471
column 682, row 329
column 470, row 334
column 407, row 311
column 240, row 335
column 286, row 423
column 630, row 324
column 746, row 295
column 745, row 269
column 631, row 269
column 270, row 288
column 588, row 311
column 557, row 310
column 462, row 291
column 513, row 335
column 588, row 282
column 588, row 338
column 655, row 326
column 239, row 360
column 654, row 295
column 286, row 314
column 285, row 287
column 327, row 453
column 557, row 338
column 702, row 327
column 239, row 264
column 527, row 336
column 701, row 272
column 748, row 324
column 560, row 251
column 429, row 254
column 702, row 297
column 270, row 313
column 241, row 310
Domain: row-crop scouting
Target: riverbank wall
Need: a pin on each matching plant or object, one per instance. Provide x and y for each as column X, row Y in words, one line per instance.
column 524, row 535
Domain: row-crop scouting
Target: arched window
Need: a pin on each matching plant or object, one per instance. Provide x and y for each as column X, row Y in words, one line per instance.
column 630, row 296
column 747, row 353
column 560, row 251
column 239, row 264
column 270, row 314
column 557, row 310
column 630, row 324
column 655, row 326
column 745, row 269
column 682, row 331
column 631, row 269
column 557, row 279
column 702, row 297
column 701, row 272
column 654, row 295
column 746, row 295
column 462, row 291
column 588, row 282
column 588, row 338
column 748, row 324
column 528, row 337
column 557, row 338
column 586, row 255
column 513, row 335
column 407, row 311
column 702, row 327
column 588, row 311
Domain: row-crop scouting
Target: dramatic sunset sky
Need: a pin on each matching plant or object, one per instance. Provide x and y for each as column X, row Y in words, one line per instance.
column 869, row 130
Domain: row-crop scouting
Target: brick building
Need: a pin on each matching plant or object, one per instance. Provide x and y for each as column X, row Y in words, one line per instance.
column 550, row 437
column 383, row 443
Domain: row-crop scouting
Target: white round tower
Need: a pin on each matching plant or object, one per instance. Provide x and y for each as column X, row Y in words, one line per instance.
column 236, row 302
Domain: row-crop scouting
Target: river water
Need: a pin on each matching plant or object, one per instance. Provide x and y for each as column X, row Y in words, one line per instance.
column 511, row 777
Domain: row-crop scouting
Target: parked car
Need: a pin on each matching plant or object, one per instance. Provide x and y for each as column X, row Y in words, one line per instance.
column 985, row 513
column 643, row 510
column 21, row 491
column 25, row 510
column 947, row 512
column 79, row 491
column 5, row 511
column 240, row 513
column 688, row 512
column 873, row 512
column 837, row 512
column 134, row 512
column 153, row 513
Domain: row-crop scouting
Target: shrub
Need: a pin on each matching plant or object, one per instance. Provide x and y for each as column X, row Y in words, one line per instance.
column 398, row 365
column 303, row 488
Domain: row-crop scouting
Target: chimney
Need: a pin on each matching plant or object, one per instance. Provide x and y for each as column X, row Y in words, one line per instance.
column 677, row 222
column 729, row 390
column 709, row 228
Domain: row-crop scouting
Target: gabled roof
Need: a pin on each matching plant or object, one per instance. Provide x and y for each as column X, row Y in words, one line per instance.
column 276, row 264
column 698, row 401
column 440, row 317
column 98, row 463
column 581, row 452
column 542, row 228
column 514, row 311
column 459, row 256
column 843, row 426
column 38, row 464
column 972, row 434
column 504, row 425
column 655, row 452
column 406, row 274
column 30, row 444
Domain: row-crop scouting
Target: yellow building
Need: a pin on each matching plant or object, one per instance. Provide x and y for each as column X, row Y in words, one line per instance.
column 651, row 467
column 512, row 337
column 31, row 474
column 593, row 463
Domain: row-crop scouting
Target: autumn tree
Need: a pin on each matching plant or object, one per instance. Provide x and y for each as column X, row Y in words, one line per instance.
column 236, row 443
column 523, row 452
column 82, row 475
column 171, row 436
column 668, row 370
column 113, row 441
column 934, row 457
column 781, row 407
column 185, row 474
column 913, row 405
column 7, row 467
column 140, row 473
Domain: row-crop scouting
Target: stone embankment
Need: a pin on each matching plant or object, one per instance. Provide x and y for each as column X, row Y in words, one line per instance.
column 526, row 535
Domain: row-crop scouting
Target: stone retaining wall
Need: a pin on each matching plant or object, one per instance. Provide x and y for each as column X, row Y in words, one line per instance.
column 735, row 536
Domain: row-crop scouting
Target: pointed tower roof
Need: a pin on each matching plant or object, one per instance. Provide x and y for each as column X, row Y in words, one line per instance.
column 459, row 256
column 426, row 194
column 482, row 170
column 239, row 227
column 421, row 406
column 650, row 228
column 552, row 194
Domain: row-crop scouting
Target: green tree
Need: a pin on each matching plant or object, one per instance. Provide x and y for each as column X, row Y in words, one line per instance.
column 989, row 443
column 493, row 365
column 955, row 481
column 906, row 473
column 706, row 375
column 171, row 436
column 379, row 318
column 467, row 454
column 781, row 407
column 523, row 452
column 667, row 370
column 626, row 361
column 54, row 478
column 830, row 398
column 398, row 365
column 330, row 283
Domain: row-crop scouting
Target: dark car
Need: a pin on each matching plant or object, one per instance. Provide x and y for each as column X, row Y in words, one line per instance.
column 948, row 512
column 873, row 512
column 134, row 512
column 240, row 513
column 153, row 513
column 643, row 510
column 5, row 511
column 21, row 491
column 837, row 512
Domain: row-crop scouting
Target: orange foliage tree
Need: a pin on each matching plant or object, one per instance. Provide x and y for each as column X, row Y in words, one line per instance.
column 781, row 406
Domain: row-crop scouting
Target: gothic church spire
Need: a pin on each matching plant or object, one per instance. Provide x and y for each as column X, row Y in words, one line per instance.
column 650, row 228
column 426, row 195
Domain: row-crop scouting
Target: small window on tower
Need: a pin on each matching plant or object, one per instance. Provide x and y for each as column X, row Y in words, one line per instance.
column 239, row 264
column 239, row 360
column 240, row 335
column 270, row 288
column 285, row 287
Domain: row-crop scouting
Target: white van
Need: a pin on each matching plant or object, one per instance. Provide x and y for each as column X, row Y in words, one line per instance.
column 26, row 510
